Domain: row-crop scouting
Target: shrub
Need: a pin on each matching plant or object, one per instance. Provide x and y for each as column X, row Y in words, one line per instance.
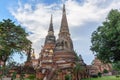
column 99, row 74
column 94, row 76
column 13, row 75
column 117, row 76
column 31, row 77
column 68, row 77
column 105, row 71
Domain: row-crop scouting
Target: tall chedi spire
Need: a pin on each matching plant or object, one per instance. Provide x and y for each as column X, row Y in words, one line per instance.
column 50, row 38
column 51, row 27
column 64, row 41
column 64, row 24
column 46, row 54
column 64, row 55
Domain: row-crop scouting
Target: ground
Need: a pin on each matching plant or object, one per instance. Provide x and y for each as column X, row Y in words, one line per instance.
column 104, row 78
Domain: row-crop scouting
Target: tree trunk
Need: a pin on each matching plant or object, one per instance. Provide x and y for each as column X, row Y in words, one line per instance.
column 4, row 66
column 77, row 76
column 3, row 69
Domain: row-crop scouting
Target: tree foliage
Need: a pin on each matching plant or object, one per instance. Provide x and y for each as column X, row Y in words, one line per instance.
column 13, row 39
column 105, row 71
column 68, row 77
column 78, row 69
column 116, row 66
column 106, row 39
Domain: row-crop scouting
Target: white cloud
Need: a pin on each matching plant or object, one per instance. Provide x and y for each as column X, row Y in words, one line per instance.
column 37, row 19
column 91, row 10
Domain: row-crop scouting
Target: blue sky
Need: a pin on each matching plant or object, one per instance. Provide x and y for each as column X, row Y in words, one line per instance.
column 84, row 16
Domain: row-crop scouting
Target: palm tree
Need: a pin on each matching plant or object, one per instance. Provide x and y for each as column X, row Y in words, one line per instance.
column 78, row 69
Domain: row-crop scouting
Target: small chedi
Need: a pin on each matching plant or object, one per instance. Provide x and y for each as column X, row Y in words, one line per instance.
column 57, row 58
column 99, row 67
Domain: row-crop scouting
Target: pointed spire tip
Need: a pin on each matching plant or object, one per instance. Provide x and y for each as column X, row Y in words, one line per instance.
column 51, row 19
column 51, row 24
column 63, row 7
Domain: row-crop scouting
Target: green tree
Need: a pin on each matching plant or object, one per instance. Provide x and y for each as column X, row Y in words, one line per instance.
column 78, row 69
column 68, row 77
column 105, row 71
column 31, row 77
column 14, row 76
column 106, row 39
column 99, row 74
column 116, row 66
column 13, row 39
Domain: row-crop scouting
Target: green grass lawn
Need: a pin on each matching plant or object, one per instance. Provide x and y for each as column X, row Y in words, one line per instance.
column 104, row 78
column 24, row 79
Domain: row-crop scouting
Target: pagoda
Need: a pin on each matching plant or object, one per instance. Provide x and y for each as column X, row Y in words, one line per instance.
column 101, row 66
column 57, row 57
column 64, row 54
column 46, row 55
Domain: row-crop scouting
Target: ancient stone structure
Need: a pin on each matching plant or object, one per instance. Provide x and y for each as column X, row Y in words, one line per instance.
column 98, row 66
column 57, row 57
column 46, row 55
column 101, row 66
